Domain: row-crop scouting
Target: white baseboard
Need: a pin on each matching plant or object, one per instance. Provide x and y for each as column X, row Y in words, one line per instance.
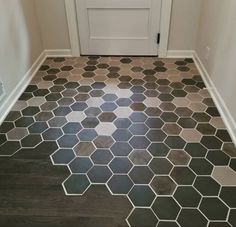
column 22, row 85
column 216, row 96
column 180, row 53
column 58, row 53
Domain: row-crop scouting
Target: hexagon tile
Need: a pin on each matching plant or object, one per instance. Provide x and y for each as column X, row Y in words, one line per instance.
column 144, row 127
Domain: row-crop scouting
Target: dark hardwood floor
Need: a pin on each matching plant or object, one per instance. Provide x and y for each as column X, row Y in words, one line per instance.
column 31, row 195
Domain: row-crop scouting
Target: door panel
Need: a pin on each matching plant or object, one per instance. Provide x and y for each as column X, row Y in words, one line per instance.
column 118, row 27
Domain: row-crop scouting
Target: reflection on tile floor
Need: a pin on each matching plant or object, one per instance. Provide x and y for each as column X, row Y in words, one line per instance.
column 145, row 127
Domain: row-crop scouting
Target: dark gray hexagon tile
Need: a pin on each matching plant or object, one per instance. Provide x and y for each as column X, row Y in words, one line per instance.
column 99, row 174
column 201, row 166
column 120, row 165
column 80, row 165
column 214, row 209
column 160, row 166
column 166, row 208
column 142, row 217
column 158, row 149
column 212, row 188
column 227, row 194
column 9, row 148
column 191, row 218
column 218, row 158
column 141, row 175
column 141, row 196
column 139, row 142
column 121, row 135
column 102, row 156
column 187, row 196
column 31, row 140
column 76, row 184
column 63, row 156
column 120, row 184
column 68, row 141
column 182, row 175
column 87, row 134
column 52, row 134
column 121, row 149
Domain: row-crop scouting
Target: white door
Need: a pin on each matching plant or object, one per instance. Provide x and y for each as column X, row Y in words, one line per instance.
column 118, row 27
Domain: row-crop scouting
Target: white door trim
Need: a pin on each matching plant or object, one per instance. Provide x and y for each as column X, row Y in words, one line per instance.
column 74, row 34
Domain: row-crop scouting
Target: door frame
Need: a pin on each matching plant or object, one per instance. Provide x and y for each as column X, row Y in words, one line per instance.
column 166, row 6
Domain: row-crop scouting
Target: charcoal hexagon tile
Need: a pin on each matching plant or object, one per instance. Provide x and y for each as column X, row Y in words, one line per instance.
column 107, row 117
column 187, row 196
column 31, row 140
column 87, row 134
column 163, row 185
column 102, row 156
column 63, row 156
column 218, row 158
column 120, row 165
column 141, row 196
column 214, row 209
column 121, row 149
column 21, row 122
column 120, row 184
column 80, row 165
column 201, row 166
column 76, row 184
column 139, row 142
column 154, row 123
column 138, row 129
column 191, row 218
column 121, row 135
column 160, row 166
column 138, row 117
column 99, row 174
column 90, row 122
column 182, row 175
column 167, row 224
column 72, row 128
column 212, row 188
column 122, row 123
column 156, row 135
column 196, row 150
column 175, row 142
column 158, row 149
column 141, row 175
column 68, row 141
column 52, row 134
column 227, row 194
column 211, row 142
column 9, row 148
column 165, row 208
column 142, row 217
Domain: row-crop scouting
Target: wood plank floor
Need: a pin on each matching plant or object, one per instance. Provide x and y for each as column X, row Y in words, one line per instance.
column 31, row 195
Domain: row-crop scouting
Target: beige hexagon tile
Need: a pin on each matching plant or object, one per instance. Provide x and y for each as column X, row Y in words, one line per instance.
column 194, row 97
column 74, row 78
column 124, row 93
column 95, row 102
column 19, row 105
column 224, row 175
column 152, row 102
column 191, row 135
column 63, row 74
column 76, row 116
column 181, row 102
column 204, row 93
column 105, row 129
column 86, row 81
column 197, row 107
column 111, row 89
column 17, row 133
column 45, row 84
column 36, row 101
column 123, row 112
column 217, row 122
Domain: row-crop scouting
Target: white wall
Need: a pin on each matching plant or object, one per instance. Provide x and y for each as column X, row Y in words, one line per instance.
column 20, row 42
column 183, row 31
column 218, row 31
column 184, row 24
column 53, row 23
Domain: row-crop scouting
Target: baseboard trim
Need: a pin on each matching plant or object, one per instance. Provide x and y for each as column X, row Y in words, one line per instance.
column 180, row 53
column 58, row 53
column 22, row 85
column 219, row 102
column 19, row 89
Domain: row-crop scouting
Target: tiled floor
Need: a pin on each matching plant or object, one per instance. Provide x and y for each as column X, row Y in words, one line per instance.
column 144, row 128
